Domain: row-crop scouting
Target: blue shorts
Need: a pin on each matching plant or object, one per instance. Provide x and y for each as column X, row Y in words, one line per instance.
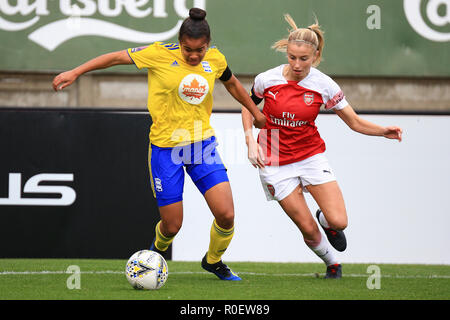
column 202, row 163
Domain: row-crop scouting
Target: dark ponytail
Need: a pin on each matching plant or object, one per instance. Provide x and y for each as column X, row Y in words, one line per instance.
column 195, row 26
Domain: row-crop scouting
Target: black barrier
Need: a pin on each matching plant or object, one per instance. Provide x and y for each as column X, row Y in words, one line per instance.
column 74, row 183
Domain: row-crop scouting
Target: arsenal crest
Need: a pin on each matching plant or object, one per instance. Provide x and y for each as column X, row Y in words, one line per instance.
column 308, row 97
column 271, row 189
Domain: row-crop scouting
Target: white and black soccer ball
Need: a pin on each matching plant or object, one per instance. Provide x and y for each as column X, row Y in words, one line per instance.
column 146, row 269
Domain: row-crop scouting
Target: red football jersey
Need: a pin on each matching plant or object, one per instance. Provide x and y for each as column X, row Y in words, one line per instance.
column 291, row 108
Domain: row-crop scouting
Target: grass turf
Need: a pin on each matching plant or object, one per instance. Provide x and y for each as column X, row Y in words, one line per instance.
column 46, row 279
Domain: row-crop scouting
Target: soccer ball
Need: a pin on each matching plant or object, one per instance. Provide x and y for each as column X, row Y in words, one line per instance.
column 146, row 269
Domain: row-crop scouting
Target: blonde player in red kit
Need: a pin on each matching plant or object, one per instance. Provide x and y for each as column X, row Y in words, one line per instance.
column 290, row 152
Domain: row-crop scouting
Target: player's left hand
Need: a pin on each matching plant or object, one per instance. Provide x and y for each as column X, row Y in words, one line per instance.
column 393, row 132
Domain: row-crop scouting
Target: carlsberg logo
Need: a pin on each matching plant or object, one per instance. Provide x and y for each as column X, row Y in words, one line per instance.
column 78, row 23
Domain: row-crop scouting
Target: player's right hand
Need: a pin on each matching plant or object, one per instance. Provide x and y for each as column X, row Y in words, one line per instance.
column 255, row 154
column 63, row 80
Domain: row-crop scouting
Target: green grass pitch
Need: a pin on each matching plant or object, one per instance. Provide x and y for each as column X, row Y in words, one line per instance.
column 46, row 279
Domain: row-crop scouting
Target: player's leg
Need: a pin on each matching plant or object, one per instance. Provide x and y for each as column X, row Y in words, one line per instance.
column 331, row 202
column 285, row 185
column 298, row 211
column 211, row 179
column 318, row 178
column 332, row 215
column 220, row 201
column 294, row 205
column 167, row 181
column 169, row 225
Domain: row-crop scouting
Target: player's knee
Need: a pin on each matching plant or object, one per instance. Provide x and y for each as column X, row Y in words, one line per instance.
column 339, row 223
column 171, row 228
column 225, row 219
column 311, row 233
column 336, row 218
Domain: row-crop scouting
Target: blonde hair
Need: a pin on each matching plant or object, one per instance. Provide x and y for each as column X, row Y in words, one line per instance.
column 311, row 35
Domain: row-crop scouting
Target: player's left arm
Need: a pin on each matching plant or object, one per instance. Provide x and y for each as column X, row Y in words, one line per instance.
column 358, row 124
column 235, row 88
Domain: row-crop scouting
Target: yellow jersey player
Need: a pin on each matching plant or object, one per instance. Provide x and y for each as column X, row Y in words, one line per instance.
column 179, row 91
column 181, row 79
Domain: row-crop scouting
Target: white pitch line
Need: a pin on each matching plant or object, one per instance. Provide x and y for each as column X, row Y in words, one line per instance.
column 57, row 272
column 350, row 275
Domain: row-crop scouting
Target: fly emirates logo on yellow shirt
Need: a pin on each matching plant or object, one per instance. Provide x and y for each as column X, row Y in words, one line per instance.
column 193, row 88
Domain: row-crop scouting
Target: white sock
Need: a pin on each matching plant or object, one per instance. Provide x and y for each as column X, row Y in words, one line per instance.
column 323, row 221
column 324, row 252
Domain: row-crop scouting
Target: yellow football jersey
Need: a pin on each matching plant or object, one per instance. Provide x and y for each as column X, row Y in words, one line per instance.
column 180, row 96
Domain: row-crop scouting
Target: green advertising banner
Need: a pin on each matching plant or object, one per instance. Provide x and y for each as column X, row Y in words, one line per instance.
column 362, row 37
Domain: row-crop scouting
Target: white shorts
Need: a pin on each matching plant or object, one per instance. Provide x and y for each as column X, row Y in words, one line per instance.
column 279, row 181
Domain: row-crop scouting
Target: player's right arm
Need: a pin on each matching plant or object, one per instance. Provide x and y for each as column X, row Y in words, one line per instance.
column 104, row 61
column 255, row 154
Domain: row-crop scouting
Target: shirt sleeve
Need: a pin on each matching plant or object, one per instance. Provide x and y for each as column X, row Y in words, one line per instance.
column 226, row 75
column 335, row 97
column 257, row 100
column 258, row 87
column 145, row 56
column 222, row 64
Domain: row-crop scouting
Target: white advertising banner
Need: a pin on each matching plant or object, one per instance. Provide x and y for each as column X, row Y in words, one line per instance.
column 396, row 194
